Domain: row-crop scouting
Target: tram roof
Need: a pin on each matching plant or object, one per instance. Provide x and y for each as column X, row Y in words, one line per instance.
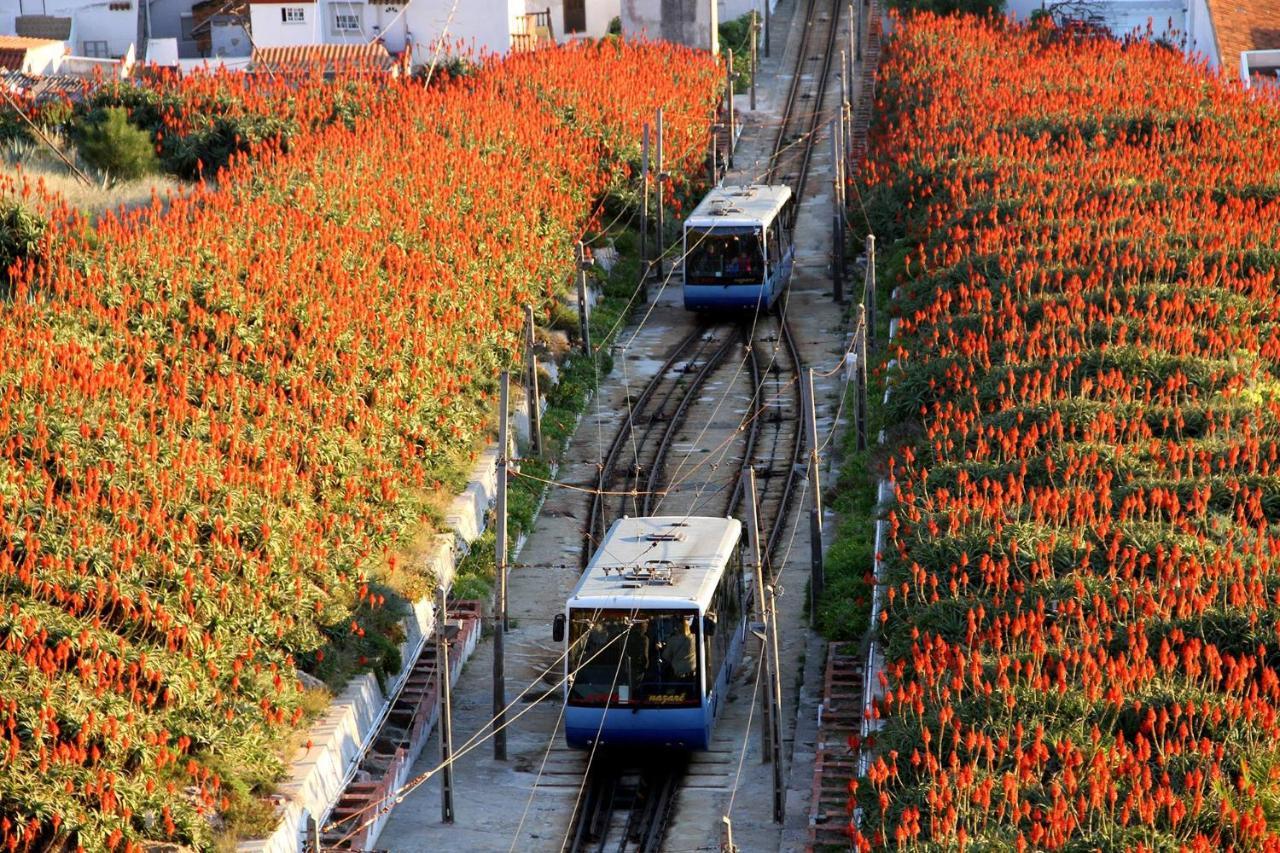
column 658, row 561
column 754, row 204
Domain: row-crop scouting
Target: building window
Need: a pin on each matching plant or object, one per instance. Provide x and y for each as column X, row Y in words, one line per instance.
column 346, row 20
column 293, row 15
column 96, row 49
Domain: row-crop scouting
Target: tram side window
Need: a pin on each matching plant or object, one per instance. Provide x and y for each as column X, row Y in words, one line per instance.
column 774, row 247
column 726, row 606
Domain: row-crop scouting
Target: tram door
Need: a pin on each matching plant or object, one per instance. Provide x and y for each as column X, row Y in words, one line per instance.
column 575, row 16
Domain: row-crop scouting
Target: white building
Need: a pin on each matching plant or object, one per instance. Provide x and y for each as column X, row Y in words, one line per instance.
column 690, row 22
column 95, row 29
column 1238, row 37
column 426, row 27
column 30, row 55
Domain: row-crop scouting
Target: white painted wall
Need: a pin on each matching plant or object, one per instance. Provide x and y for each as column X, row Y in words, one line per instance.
column 269, row 29
column 1201, row 42
column 689, row 22
column 45, row 58
column 599, row 14
column 477, row 26
column 95, row 20
column 229, row 39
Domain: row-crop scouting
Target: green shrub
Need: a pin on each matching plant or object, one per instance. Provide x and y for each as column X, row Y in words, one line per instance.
column 21, row 233
column 107, row 141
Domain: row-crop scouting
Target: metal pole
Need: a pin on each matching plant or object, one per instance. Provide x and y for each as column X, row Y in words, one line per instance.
column 733, row 125
column 584, row 310
column 766, row 28
column 313, row 835
column 755, row 29
column 531, row 384
column 846, row 84
column 758, row 568
column 446, row 709
column 858, row 43
column 500, row 561
column 817, row 572
column 860, row 344
column 662, row 236
column 775, row 689
column 837, row 224
column 869, row 291
column 644, row 201
column 851, row 48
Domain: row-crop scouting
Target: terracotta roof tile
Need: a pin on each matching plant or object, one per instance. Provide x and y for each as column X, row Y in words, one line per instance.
column 12, row 58
column 1241, row 25
column 23, row 43
column 345, row 55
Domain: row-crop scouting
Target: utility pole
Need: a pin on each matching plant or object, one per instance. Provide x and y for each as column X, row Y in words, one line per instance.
column 757, row 561
column 860, row 347
column 644, row 200
column 500, row 601
column 837, row 220
column 755, row 58
column 858, row 43
column 852, row 61
column 775, row 691
column 817, row 572
column 531, row 384
column 766, row 28
column 728, row 65
column 869, row 291
column 662, row 236
column 446, row 706
column 584, row 309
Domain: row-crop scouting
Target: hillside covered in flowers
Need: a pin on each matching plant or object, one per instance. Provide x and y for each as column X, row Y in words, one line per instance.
column 219, row 411
column 1082, row 619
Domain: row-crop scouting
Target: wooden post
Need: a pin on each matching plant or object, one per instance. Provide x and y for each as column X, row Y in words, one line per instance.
column 755, row 29
column 661, row 220
column 860, row 347
column 446, row 708
column 534, row 400
column 313, row 835
column 500, row 564
column 846, row 85
column 728, row 63
column 584, row 309
column 852, row 60
column 837, row 221
column 726, row 836
column 869, row 291
column 644, row 198
column 817, row 571
column 775, row 691
column 758, row 568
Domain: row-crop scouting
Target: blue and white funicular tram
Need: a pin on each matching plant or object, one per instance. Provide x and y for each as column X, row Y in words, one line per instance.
column 654, row 629
column 738, row 252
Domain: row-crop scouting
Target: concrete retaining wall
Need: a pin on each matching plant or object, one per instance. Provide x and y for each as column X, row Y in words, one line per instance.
column 339, row 738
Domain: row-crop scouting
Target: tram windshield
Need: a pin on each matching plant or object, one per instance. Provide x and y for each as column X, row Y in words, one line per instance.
column 646, row 658
column 724, row 256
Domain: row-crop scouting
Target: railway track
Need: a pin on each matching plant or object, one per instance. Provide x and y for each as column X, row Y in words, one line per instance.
column 627, row 801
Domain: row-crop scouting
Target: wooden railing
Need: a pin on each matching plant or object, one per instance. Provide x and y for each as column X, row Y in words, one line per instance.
column 533, row 30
